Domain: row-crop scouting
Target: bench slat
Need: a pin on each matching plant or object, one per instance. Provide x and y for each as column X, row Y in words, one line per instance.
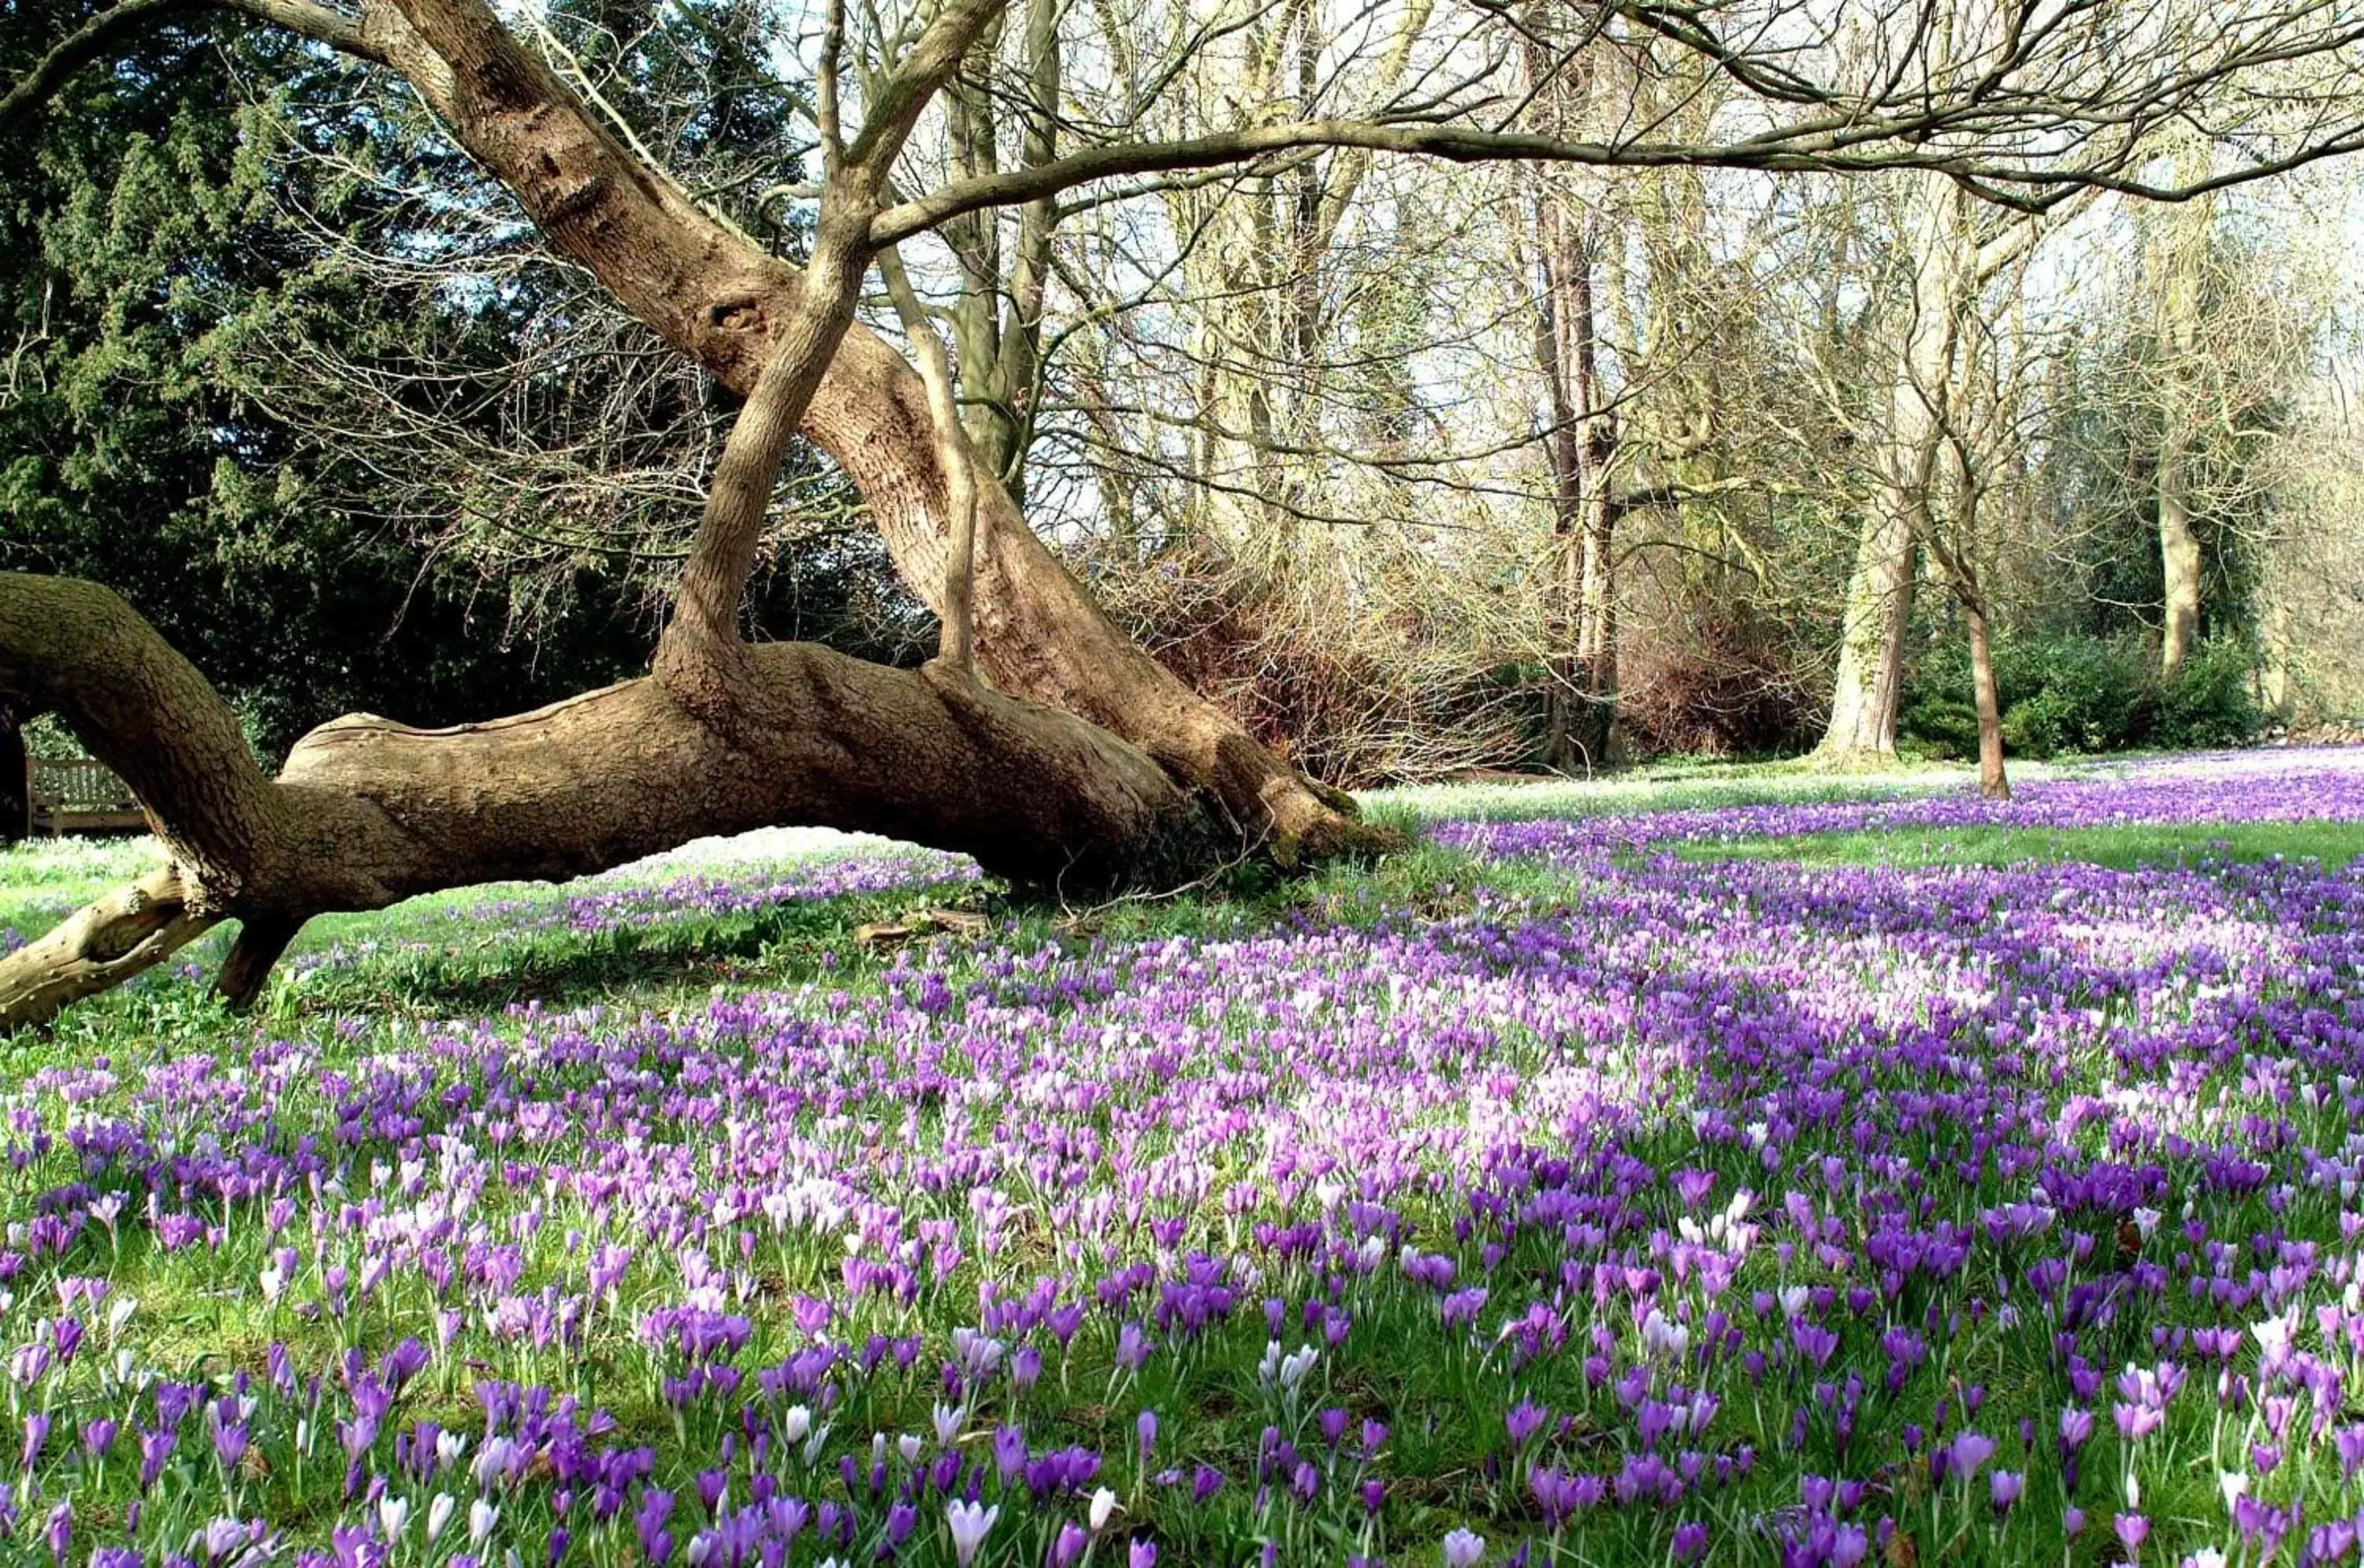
column 82, row 794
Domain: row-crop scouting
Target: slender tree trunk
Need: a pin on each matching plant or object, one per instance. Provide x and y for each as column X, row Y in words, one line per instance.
column 1992, row 782
column 2276, row 692
column 2178, row 552
column 1563, row 453
column 1008, row 423
column 2178, row 260
column 1581, row 715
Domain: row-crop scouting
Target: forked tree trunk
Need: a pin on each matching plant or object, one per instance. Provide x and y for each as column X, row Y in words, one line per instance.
column 1868, row 694
column 718, row 297
column 724, row 736
column 1993, row 783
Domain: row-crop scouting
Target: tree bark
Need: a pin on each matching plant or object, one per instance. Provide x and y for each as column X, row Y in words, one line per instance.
column 97, row 949
column 1994, row 784
column 1581, row 715
column 2178, row 261
column 261, row 939
column 1868, row 692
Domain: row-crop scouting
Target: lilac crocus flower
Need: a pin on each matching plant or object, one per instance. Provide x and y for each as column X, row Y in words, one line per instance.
column 649, row 1522
column 2076, row 1425
column 1969, row 1454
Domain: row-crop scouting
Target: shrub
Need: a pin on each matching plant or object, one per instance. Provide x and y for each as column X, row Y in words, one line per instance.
column 2075, row 694
column 1937, row 720
column 2208, row 701
column 1709, row 685
column 2082, row 693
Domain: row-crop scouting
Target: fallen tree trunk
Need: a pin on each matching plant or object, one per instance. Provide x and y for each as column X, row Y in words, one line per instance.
column 723, row 736
column 368, row 812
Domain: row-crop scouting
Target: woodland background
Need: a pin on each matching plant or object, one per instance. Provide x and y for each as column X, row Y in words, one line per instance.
column 1418, row 468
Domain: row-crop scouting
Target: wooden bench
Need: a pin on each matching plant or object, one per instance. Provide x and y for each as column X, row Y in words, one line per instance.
column 80, row 795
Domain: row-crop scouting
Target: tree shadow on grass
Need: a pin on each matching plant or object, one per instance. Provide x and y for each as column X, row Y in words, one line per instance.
column 795, row 941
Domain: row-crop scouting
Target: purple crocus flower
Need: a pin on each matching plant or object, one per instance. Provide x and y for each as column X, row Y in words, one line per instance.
column 649, row 1522
column 155, row 1448
column 1523, row 1420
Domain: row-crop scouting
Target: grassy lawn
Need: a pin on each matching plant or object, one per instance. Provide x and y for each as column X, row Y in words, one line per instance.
column 2335, row 844
column 1610, row 1206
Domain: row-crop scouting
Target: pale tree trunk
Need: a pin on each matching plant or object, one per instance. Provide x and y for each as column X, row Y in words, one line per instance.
column 2178, row 261
column 2178, row 552
column 997, row 320
column 1016, row 372
column 1869, row 691
column 1956, row 566
column 2276, row 691
column 1867, row 695
column 724, row 736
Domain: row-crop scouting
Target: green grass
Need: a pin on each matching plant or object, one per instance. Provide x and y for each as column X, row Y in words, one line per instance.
column 1682, row 787
column 2335, row 844
column 42, row 879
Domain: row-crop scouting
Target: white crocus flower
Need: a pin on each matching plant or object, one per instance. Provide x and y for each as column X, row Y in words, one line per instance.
column 968, row 1522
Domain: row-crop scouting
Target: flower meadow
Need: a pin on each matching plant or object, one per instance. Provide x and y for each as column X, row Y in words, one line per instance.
column 1552, row 1197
